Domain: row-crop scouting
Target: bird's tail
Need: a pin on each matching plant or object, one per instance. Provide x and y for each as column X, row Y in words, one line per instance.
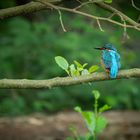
column 114, row 69
column 113, row 72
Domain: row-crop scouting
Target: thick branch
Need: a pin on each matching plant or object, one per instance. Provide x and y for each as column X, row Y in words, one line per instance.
column 65, row 81
column 23, row 9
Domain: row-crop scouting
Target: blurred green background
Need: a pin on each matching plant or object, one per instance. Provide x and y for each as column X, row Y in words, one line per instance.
column 28, row 45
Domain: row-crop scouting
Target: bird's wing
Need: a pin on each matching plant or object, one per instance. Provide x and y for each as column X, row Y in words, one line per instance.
column 117, row 56
column 106, row 57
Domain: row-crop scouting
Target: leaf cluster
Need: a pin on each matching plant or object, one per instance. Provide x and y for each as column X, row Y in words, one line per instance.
column 75, row 69
column 94, row 120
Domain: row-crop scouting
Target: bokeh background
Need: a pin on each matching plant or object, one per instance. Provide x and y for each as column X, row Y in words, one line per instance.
column 28, row 45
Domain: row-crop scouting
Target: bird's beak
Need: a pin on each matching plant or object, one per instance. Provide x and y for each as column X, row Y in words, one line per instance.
column 98, row 48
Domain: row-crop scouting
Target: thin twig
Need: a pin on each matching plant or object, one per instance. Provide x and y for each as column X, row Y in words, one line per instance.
column 125, row 34
column 113, row 10
column 100, row 27
column 133, row 4
column 61, row 21
column 112, row 15
column 86, row 3
column 89, row 15
column 54, row 7
column 79, row 1
column 39, row 5
column 83, row 4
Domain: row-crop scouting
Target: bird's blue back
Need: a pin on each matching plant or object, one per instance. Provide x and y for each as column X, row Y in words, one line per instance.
column 111, row 60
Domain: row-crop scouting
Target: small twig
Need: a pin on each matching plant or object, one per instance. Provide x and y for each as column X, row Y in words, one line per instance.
column 125, row 30
column 86, row 3
column 61, row 21
column 100, row 27
column 44, row 4
column 47, row 4
column 56, row 8
column 83, row 4
column 133, row 4
column 88, row 15
column 112, row 15
column 79, row 1
column 125, row 34
column 113, row 10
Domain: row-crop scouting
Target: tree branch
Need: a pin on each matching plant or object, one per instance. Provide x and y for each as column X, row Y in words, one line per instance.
column 66, row 81
column 87, row 15
column 133, row 4
column 24, row 9
column 38, row 5
column 113, row 10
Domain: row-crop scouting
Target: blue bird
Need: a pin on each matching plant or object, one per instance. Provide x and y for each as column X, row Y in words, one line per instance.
column 110, row 60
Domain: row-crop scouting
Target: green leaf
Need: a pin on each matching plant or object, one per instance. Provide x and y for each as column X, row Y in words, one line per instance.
column 62, row 62
column 84, row 72
column 88, row 136
column 78, row 64
column 101, row 123
column 89, row 119
column 74, row 71
column 78, row 109
column 104, row 108
column 96, row 94
column 93, row 68
column 72, row 67
column 84, row 65
column 108, row 1
column 80, row 67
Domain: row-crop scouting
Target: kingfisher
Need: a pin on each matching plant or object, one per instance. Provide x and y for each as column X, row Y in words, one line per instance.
column 110, row 60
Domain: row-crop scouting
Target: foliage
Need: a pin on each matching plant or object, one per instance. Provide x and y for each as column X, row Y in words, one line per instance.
column 73, row 70
column 94, row 120
column 108, row 1
column 62, row 62
column 27, row 50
